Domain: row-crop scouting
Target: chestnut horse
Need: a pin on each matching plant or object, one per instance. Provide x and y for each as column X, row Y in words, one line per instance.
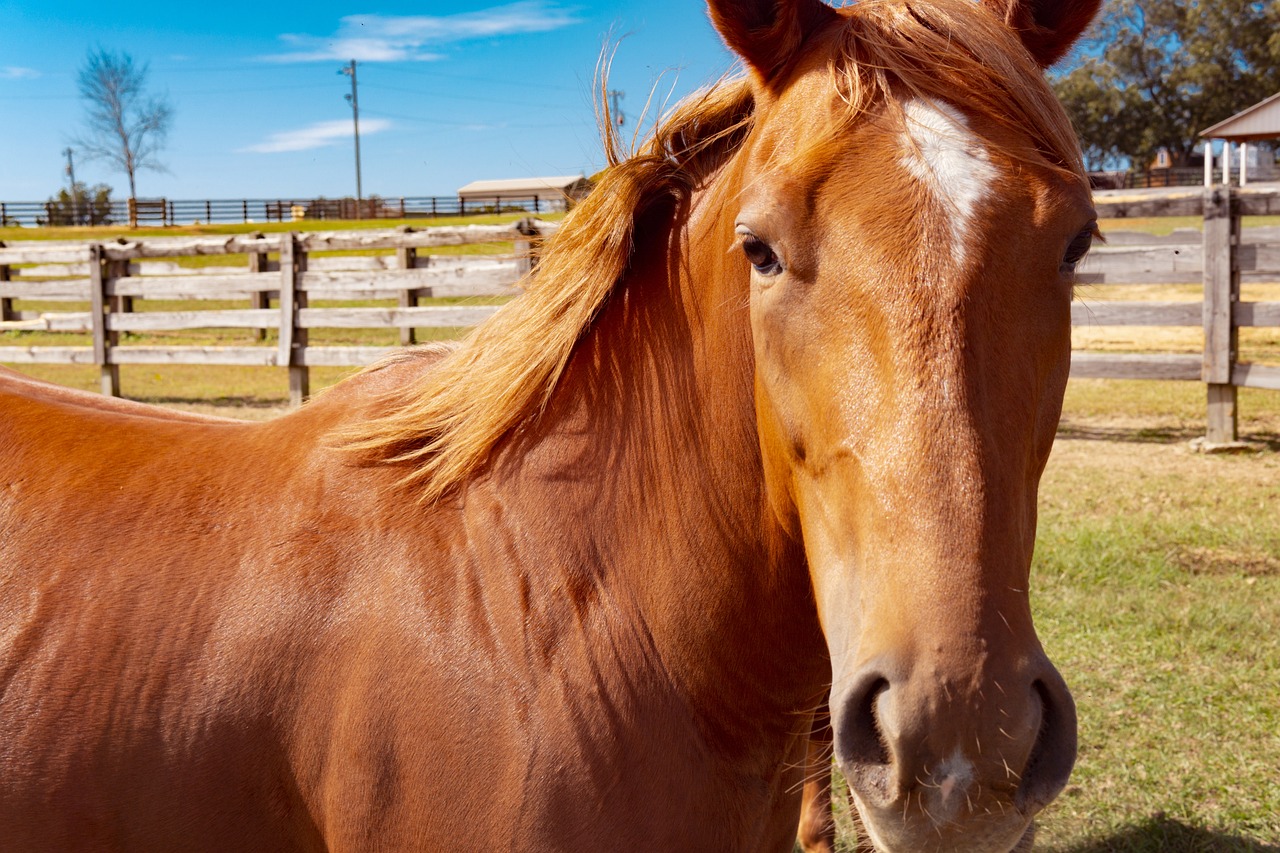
column 768, row 424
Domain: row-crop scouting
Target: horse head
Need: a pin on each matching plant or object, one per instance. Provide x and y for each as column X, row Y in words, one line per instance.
column 912, row 207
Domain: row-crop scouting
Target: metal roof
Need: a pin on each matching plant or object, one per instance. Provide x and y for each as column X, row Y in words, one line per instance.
column 1260, row 121
column 525, row 186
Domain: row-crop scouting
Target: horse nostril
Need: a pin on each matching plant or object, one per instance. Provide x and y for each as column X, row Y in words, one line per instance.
column 859, row 742
column 1054, row 754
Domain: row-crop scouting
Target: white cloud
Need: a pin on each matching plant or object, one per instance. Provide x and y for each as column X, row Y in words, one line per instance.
column 16, row 72
column 318, row 135
column 384, row 38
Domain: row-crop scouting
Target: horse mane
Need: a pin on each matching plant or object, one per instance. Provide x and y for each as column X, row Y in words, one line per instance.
column 446, row 423
column 507, row 368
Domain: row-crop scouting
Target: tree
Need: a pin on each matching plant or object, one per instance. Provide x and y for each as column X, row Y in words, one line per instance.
column 124, row 126
column 84, row 206
column 1154, row 73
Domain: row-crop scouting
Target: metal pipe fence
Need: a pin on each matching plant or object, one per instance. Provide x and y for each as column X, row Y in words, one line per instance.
column 166, row 212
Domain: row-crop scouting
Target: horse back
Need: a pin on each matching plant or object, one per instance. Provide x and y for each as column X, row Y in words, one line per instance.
column 167, row 585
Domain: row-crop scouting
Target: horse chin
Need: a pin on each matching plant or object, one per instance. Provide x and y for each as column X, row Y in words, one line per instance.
column 886, row 831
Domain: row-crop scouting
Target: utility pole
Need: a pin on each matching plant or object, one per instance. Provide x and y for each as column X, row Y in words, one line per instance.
column 354, row 100
column 615, row 102
column 75, row 200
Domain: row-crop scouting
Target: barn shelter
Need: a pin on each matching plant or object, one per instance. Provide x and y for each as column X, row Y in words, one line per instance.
column 553, row 193
column 1258, row 123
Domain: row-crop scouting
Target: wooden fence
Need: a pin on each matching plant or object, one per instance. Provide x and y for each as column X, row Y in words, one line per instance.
column 291, row 268
column 1220, row 258
column 108, row 275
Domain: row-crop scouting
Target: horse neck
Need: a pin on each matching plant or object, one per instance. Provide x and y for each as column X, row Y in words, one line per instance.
column 655, row 474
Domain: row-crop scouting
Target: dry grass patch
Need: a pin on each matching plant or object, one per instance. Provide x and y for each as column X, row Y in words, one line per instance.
column 1248, row 562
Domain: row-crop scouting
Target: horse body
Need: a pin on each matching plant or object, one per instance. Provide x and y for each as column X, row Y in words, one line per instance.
column 315, row 668
column 602, row 632
column 277, row 635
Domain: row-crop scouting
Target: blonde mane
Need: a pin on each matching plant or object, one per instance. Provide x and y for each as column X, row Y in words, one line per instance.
column 447, row 423
column 507, row 368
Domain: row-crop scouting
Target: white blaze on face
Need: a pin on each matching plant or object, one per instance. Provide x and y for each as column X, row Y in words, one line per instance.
column 950, row 160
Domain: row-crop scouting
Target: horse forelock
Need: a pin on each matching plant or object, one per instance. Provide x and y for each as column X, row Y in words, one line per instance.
column 896, row 52
column 445, row 425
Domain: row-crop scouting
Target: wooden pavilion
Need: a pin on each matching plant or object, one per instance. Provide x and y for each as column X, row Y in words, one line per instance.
column 1260, row 122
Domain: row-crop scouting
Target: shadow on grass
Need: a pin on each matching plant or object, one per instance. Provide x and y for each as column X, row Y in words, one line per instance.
column 1268, row 441
column 1142, row 435
column 1163, row 835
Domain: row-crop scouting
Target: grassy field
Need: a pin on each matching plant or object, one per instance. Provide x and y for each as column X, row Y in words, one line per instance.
column 1163, row 225
column 1156, row 589
column 1157, row 592
column 111, row 232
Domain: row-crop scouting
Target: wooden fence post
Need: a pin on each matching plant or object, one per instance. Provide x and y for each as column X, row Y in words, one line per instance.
column 407, row 259
column 119, row 304
column 524, row 257
column 6, row 302
column 1221, row 293
column 258, row 262
column 102, row 339
column 293, row 338
column 527, row 249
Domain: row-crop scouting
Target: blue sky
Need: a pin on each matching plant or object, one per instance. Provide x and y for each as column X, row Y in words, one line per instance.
column 449, row 92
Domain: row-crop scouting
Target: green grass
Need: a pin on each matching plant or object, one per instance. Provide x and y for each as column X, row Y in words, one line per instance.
column 111, row 232
column 1156, row 576
column 1165, row 225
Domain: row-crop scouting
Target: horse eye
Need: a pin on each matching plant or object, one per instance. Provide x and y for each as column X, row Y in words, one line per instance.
column 1078, row 248
column 761, row 256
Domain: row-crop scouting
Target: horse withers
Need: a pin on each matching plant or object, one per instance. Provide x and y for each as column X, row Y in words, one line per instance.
column 766, row 426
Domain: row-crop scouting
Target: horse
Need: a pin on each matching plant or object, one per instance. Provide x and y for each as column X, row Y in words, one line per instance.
column 766, row 426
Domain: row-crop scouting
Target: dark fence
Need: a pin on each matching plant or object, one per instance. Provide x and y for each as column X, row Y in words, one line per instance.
column 1145, row 180
column 161, row 212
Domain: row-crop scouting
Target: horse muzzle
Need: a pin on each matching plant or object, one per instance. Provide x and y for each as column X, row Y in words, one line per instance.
column 953, row 761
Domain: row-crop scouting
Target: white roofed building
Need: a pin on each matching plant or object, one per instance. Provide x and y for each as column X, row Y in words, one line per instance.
column 1259, row 123
column 535, row 194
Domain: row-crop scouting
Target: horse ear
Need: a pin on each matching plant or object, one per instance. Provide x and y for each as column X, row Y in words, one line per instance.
column 1048, row 28
column 768, row 33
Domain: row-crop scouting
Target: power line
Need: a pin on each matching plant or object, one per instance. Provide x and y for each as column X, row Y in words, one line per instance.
column 467, row 124
column 479, row 98
column 264, row 88
column 494, row 81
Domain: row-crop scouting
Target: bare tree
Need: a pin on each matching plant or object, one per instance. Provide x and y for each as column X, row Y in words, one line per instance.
column 124, row 126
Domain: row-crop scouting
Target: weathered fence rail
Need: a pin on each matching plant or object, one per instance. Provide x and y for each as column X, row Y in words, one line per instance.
column 280, row 267
column 1220, row 257
column 294, row 269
